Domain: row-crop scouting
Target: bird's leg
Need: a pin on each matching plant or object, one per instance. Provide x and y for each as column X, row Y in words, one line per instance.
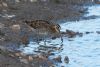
column 38, row 37
column 38, row 40
column 44, row 40
column 61, row 38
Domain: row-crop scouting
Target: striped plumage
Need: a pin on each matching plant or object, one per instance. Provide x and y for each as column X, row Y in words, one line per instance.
column 45, row 28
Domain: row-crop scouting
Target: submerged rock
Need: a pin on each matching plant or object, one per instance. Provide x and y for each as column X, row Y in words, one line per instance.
column 97, row 1
column 98, row 32
column 71, row 34
column 58, row 59
column 66, row 59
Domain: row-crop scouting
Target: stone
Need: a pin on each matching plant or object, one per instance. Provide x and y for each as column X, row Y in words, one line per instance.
column 30, row 58
column 1, row 25
column 24, row 40
column 24, row 61
column 66, row 59
column 58, row 59
column 33, row 0
column 4, row 4
column 17, row 54
column 98, row 32
column 16, row 28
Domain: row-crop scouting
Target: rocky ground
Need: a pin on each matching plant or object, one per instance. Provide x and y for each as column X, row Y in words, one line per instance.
column 13, row 30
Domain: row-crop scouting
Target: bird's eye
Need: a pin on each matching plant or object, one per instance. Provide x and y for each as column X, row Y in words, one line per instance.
column 26, row 21
column 31, row 24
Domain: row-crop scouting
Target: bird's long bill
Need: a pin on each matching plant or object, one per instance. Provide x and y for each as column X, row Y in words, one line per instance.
column 27, row 22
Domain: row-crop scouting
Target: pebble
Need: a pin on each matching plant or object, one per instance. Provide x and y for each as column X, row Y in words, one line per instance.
column 4, row 4
column 17, row 54
column 58, row 59
column 66, row 59
column 1, row 25
column 30, row 58
column 24, row 61
column 16, row 28
column 33, row 0
column 98, row 32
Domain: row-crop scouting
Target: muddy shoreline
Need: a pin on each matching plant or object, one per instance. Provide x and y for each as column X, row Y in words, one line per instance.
column 11, row 36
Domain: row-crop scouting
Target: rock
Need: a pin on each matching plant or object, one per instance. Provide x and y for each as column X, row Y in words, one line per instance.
column 2, row 36
column 24, row 61
column 79, row 34
column 87, row 32
column 58, row 59
column 66, row 59
column 2, row 39
column 24, row 40
column 98, row 32
column 97, row 1
column 16, row 27
column 4, row 4
column 70, row 33
column 30, row 58
column 53, row 66
column 33, row 0
column 83, row 10
column 22, row 54
column 1, row 33
column 11, row 55
column 0, row 5
column 17, row 54
column 62, row 66
column 1, row 25
column 17, row 1
column 42, row 57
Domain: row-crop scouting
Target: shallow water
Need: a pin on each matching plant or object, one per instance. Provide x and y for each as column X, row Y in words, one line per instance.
column 82, row 51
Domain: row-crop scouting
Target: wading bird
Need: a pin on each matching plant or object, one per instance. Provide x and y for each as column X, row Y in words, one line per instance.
column 45, row 29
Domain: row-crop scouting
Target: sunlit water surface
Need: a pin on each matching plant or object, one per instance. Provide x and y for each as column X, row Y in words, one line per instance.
column 82, row 51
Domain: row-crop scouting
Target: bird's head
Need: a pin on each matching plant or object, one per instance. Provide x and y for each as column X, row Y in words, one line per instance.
column 56, row 28
column 27, row 22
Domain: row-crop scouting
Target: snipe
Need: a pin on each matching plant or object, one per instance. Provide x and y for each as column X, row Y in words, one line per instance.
column 45, row 29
